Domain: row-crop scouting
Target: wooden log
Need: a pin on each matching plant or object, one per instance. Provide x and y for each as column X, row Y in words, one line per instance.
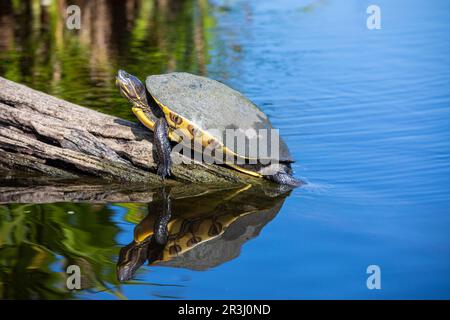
column 43, row 134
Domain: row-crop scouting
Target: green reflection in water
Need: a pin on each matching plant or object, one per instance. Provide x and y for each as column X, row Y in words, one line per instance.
column 143, row 37
column 202, row 228
column 38, row 242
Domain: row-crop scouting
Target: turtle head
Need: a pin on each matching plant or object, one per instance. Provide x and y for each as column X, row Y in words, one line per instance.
column 131, row 88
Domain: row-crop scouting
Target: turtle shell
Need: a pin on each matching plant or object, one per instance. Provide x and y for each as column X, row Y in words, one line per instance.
column 208, row 108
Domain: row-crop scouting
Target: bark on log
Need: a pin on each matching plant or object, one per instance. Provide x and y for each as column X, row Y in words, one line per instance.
column 43, row 134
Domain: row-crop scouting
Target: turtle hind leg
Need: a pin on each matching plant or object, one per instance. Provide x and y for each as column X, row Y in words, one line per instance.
column 163, row 148
column 284, row 178
column 280, row 173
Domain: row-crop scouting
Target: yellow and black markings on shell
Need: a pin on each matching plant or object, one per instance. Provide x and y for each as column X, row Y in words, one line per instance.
column 175, row 119
column 215, row 228
column 193, row 131
column 174, row 249
column 193, row 240
column 180, row 128
column 187, row 232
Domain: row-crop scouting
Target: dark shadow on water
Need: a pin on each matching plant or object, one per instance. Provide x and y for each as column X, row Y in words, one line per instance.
column 203, row 230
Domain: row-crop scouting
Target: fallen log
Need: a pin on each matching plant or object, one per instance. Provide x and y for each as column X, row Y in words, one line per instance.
column 43, row 134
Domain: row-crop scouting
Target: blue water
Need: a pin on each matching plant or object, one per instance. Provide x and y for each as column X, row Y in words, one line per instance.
column 366, row 114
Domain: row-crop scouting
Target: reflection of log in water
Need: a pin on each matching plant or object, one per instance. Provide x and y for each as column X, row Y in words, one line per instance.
column 205, row 229
column 58, row 191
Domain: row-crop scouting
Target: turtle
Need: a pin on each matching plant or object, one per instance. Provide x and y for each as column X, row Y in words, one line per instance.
column 183, row 220
column 181, row 107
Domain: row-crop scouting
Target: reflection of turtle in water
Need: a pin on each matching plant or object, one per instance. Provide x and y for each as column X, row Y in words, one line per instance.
column 180, row 105
column 204, row 230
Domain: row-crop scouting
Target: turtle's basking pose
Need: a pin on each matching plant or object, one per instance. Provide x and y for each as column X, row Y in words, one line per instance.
column 202, row 109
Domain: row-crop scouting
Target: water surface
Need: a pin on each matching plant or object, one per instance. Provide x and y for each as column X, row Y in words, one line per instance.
column 365, row 113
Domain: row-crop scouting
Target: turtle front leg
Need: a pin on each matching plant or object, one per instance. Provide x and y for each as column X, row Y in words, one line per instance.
column 161, row 232
column 163, row 148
